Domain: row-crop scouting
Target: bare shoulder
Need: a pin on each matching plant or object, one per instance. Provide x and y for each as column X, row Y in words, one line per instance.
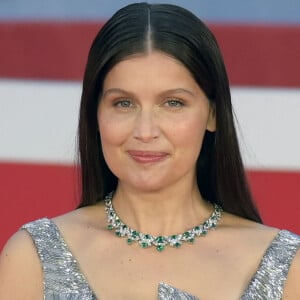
column 20, row 270
column 82, row 226
column 87, row 217
column 254, row 239
column 292, row 288
column 249, row 232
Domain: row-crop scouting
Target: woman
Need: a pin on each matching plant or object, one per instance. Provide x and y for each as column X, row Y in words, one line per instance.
column 161, row 169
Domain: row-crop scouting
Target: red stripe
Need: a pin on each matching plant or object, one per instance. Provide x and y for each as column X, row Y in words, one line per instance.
column 45, row 50
column 255, row 55
column 261, row 55
column 29, row 192
column 277, row 195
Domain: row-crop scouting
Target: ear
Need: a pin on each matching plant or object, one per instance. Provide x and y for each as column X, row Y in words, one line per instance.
column 211, row 122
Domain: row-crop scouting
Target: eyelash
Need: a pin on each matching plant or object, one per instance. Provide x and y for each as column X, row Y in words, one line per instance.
column 120, row 103
column 177, row 102
column 172, row 103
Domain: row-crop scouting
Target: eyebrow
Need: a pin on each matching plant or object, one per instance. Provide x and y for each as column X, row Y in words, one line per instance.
column 114, row 91
column 170, row 91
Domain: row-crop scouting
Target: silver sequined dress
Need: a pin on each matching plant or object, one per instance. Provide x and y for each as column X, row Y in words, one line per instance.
column 63, row 279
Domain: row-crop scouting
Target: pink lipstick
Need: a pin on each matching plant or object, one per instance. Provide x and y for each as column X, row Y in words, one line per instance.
column 147, row 156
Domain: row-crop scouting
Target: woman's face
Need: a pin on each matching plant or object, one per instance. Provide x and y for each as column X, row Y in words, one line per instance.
column 152, row 118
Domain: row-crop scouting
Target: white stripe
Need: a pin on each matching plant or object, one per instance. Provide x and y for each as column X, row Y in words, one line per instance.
column 38, row 123
column 269, row 120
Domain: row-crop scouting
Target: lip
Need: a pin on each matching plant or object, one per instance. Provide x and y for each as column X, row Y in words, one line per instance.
column 147, row 156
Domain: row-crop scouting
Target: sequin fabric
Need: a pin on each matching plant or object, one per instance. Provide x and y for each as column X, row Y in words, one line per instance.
column 63, row 279
column 167, row 292
column 268, row 282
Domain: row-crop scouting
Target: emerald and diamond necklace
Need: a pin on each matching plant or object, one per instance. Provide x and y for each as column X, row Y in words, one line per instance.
column 160, row 242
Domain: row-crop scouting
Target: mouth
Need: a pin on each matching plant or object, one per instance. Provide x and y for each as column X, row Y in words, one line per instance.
column 147, row 156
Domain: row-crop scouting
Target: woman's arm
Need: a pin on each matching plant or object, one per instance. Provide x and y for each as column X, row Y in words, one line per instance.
column 20, row 270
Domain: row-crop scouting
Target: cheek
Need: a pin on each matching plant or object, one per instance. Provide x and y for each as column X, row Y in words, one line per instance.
column 108, row 133
column 188, row 133
column 110, row 140
column 112, row 133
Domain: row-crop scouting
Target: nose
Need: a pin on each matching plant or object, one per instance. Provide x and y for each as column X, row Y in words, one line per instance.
column 146, row 126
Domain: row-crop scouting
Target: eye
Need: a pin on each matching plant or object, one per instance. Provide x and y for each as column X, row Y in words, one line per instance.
column 124, row 103
column 174, row 103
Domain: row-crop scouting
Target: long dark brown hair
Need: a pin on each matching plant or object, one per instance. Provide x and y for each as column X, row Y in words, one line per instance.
column 140, row 28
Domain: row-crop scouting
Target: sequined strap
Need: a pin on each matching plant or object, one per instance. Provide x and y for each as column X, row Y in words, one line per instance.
column 62, row 277
column 268, row 282
column 168, row 292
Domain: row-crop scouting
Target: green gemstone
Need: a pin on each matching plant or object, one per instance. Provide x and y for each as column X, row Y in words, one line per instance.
column 118, row 233
column 160, row 239
column 174, row 237
column 197, row 228
column 144, row 245
column 191, row 240
column 160, row 248
column 110, row 227
column 129, row 241
column 135, row 234
column 177, row 245
column 204, row 232
column 186, row 234
column 147, row 236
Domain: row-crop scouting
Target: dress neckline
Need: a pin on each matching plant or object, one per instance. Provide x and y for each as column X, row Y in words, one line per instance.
column 162, row 284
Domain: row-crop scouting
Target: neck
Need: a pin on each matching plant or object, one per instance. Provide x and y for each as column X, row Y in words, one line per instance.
column 164, row 212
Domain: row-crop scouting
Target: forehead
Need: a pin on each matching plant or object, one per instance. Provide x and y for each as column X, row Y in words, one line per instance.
column 153, row 67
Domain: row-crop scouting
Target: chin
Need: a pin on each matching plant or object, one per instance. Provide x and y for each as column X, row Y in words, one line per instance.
column 147, row 186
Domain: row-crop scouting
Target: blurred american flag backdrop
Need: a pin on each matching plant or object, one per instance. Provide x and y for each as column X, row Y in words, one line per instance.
column 43, row 50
